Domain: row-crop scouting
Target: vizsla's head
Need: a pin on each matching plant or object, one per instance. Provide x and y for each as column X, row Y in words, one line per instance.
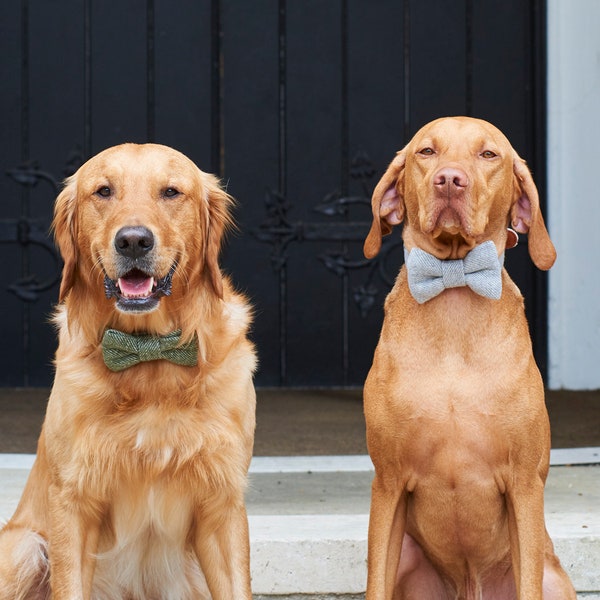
column 456, row 184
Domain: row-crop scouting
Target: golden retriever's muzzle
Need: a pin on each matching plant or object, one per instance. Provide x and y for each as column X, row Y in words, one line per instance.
column 137, row 287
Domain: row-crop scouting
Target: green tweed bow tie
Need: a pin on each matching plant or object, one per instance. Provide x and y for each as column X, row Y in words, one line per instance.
column 122, row 350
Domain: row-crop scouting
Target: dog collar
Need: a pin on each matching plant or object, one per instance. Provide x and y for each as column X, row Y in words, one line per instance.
column 512, row 238
column 480, row 270
column 123, row 350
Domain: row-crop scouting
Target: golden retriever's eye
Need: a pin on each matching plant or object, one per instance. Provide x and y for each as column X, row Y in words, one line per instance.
column 488, row 154
column 170, row 192
column 426, row 152
column 104, row 191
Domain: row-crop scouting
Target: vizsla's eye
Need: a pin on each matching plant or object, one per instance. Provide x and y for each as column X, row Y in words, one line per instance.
column 427, row 151
column 488, row 154
column 170, row 192
column 104, row 192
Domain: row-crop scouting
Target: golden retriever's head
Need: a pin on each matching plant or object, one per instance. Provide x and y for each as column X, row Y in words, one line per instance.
column 456, row 184
column 138, row 223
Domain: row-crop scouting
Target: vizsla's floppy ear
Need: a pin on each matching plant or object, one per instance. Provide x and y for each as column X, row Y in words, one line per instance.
column 526, row 217
column 387, row 205
column 219, row 221
column 64, row 226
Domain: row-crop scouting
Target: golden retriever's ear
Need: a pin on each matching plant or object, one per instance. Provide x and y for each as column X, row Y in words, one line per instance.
column 387, row 204
column 219, row 221
column 64, row 226
column 526, row 217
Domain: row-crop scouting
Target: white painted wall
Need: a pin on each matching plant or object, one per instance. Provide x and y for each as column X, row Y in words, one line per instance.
column 574, row 192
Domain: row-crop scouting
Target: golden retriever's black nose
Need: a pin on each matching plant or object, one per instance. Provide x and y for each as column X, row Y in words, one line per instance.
column 134, row 242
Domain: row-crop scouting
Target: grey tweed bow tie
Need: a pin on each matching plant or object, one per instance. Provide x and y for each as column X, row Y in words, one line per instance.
column 480, row 270
column 123, row 350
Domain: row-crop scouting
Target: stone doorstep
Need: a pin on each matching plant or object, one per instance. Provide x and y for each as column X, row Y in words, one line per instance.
column 321, row 553
column 583, row 596
column 318, row 554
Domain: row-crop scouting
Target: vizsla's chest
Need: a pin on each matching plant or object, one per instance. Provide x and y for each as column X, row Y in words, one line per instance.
column 458, row 338
column 449, row 375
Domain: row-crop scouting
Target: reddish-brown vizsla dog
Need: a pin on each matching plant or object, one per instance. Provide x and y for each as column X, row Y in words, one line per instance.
column 456, row 422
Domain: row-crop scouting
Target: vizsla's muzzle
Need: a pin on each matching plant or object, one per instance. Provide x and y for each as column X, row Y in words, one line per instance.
column 450, row 182
column 450, row 194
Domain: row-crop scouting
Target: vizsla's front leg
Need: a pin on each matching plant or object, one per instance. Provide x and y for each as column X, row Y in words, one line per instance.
column 223, row 550
column 525, row 502
column 557, row 585
column 387, row 522
column 72, row 548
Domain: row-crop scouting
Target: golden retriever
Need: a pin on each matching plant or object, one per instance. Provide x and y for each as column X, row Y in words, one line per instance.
column 137, row 491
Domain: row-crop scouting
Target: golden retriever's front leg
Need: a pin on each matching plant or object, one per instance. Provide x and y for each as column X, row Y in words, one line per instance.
column 72, row 548
column 387, row 522
column 223, row 549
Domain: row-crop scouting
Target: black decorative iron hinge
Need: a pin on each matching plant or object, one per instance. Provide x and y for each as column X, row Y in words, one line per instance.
column 280, row 231
column 27, row 231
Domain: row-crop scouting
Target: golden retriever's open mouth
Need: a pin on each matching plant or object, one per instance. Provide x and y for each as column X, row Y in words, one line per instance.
column 136, row 291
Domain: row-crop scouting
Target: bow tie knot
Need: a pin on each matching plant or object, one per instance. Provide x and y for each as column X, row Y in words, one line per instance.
column 480, row 270
column 123, row 350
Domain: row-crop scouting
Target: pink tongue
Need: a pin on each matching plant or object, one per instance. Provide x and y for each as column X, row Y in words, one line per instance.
column 136, row 286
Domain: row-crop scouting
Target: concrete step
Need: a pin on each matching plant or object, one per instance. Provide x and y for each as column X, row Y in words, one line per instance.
column 309, row 515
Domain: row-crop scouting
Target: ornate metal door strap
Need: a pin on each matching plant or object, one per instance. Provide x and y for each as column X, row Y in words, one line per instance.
column 280, row 231
column 28, row 231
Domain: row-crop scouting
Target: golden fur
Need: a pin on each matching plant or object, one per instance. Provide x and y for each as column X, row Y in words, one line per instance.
column 137, row 491
column 454, row 403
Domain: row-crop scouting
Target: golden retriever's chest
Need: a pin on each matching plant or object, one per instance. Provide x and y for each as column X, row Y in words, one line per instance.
column 142, row 553
column 158, row 434
column 185, row 447
column 157, row 510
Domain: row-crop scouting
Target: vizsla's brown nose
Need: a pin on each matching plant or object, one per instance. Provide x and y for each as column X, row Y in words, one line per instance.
column 450, row 180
